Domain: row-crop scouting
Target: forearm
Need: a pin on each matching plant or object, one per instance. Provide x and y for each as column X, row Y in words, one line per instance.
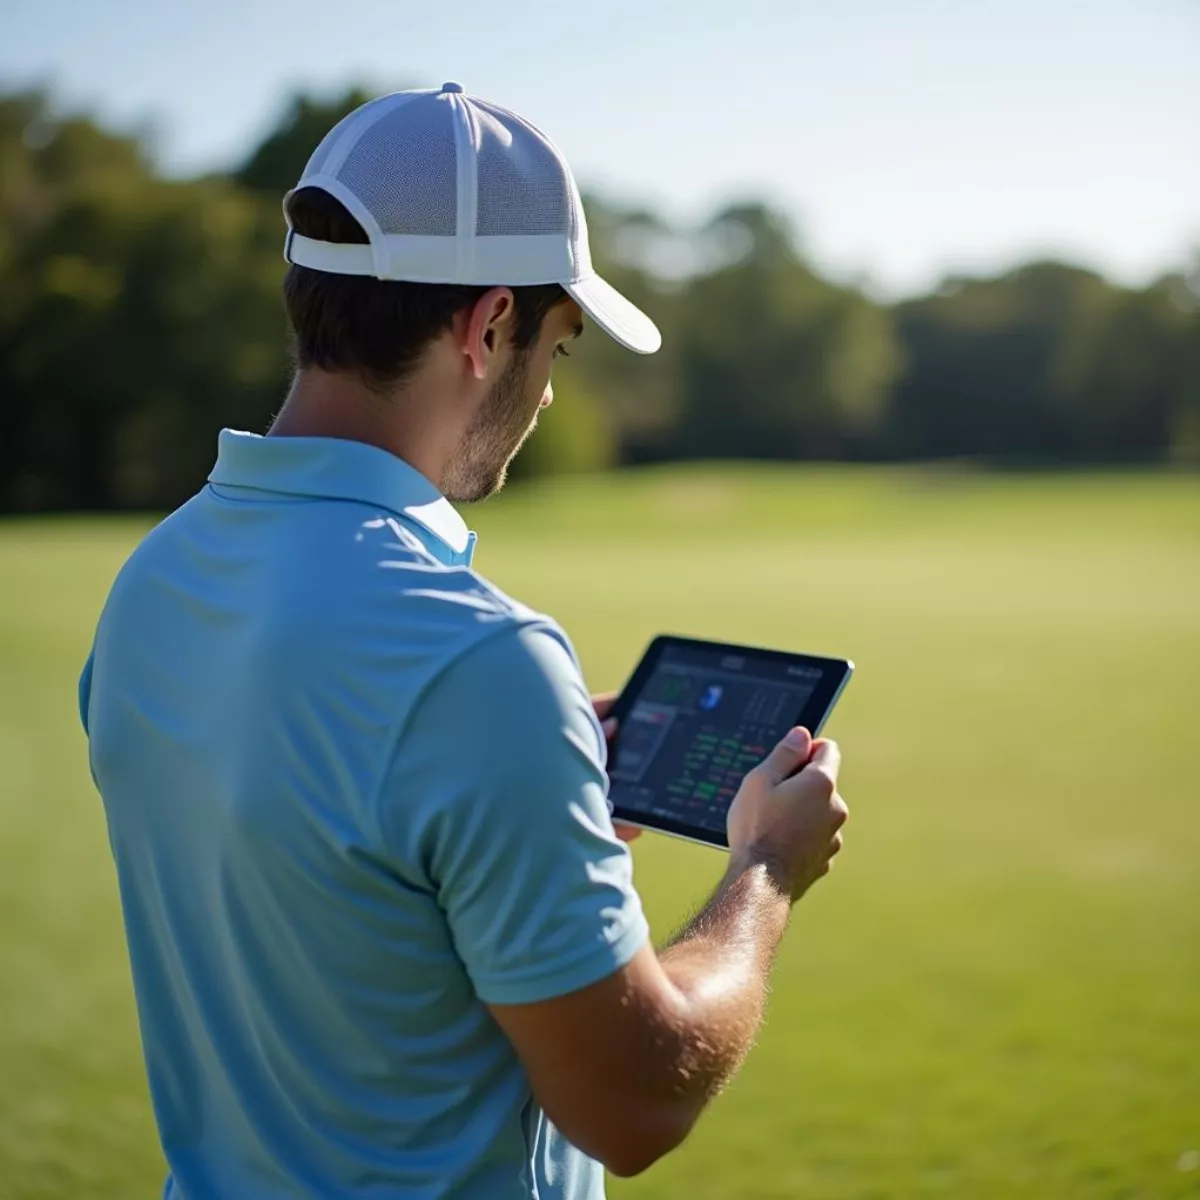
column 720, row 965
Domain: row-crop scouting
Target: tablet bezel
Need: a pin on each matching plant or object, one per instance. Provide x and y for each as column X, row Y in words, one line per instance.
column 835, row 674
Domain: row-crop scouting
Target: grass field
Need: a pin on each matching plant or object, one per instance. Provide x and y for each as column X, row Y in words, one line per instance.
column 996, row 994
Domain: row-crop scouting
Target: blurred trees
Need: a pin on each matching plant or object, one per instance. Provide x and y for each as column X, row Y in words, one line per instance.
column 275, row 166
column 139, row 314
column 136, row 316
column 773, row 361
column 1047, row 362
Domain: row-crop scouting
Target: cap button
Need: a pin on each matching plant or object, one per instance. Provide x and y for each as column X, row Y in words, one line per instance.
column 452, row 87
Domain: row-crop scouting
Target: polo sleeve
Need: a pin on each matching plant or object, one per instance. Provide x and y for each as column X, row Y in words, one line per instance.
column 500, row 780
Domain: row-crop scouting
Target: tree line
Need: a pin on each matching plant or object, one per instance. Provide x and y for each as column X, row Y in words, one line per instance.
column 139, row 314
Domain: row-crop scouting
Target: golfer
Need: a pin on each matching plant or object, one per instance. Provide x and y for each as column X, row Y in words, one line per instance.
column 384, row 937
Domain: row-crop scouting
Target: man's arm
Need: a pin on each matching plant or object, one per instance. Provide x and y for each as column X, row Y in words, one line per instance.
column 625, row 1067
column 497, row 799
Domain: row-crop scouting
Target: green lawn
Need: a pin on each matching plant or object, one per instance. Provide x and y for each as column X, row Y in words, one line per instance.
column 996, row 994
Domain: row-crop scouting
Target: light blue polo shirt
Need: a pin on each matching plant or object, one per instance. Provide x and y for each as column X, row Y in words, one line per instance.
column 353, row 793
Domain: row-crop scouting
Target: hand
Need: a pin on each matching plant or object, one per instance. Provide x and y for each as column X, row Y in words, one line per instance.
column 789, row 818
column 603, row 706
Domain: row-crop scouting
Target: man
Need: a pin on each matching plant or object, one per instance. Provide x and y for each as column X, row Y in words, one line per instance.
column 384, row 936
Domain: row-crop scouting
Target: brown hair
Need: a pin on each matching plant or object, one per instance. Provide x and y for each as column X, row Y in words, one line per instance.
column 379, row 329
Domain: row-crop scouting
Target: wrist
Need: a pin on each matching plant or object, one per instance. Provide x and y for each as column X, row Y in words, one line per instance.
column 759, row 862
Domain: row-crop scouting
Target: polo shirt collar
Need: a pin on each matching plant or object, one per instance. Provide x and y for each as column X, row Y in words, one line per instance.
column 337, row 469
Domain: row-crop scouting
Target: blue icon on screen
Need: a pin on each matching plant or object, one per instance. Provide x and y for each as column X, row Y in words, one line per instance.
column 712, row 697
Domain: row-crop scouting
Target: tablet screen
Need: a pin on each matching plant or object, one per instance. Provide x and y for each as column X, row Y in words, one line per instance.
column 697, row 716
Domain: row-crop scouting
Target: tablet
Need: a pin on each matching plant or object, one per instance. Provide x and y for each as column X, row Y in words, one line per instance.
column 696, row 716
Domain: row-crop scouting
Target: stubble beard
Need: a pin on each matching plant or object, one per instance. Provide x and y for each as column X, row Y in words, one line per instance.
column 499, row 429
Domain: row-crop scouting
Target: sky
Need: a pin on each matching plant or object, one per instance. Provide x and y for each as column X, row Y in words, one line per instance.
column 908, row 139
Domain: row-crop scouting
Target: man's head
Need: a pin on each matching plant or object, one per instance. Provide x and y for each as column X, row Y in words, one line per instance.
column 485, row 353
column 439, row 257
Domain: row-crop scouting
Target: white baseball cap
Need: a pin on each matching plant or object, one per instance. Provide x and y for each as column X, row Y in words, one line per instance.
column 452, row 189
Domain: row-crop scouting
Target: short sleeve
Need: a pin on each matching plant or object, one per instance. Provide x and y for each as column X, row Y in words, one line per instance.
column 499, row 787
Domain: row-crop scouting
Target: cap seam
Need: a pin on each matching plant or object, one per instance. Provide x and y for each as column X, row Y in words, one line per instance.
column 467, row 188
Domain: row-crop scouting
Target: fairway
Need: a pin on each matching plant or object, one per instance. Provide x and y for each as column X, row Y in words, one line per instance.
column 996, row 993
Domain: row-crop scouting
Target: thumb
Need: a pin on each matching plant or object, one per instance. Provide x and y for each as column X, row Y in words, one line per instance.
column 788, row 755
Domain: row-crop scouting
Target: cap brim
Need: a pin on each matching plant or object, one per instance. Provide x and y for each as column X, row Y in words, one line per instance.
column 622, row 320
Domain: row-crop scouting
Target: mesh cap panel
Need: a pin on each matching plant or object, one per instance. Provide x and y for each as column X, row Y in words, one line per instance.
column 405, row 172
column 320, row 156
column 523, row 186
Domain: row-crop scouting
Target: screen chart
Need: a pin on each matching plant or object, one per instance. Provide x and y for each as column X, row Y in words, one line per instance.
column 702, row 720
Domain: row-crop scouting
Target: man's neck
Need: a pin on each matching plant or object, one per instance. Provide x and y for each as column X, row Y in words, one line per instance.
column 329, row 405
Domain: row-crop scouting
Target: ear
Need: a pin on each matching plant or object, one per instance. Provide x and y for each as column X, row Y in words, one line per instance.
column 488, row 329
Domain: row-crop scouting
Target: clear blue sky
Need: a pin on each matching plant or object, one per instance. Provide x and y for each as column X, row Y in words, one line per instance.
column 907, row 137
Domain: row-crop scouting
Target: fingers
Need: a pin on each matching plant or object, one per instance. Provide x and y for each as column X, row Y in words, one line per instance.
column 835, row 847
column 839, row 811
column 788, row 756
column 603, row 704
column 627, row 833
column 609, row 728
column 826, row 761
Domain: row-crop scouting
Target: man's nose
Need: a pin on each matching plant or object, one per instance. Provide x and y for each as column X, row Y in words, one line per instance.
column 548, row 396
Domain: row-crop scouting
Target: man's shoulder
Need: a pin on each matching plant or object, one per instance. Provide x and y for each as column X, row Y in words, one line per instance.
column 448, row 612
column 480, row 632
column 457, row 601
